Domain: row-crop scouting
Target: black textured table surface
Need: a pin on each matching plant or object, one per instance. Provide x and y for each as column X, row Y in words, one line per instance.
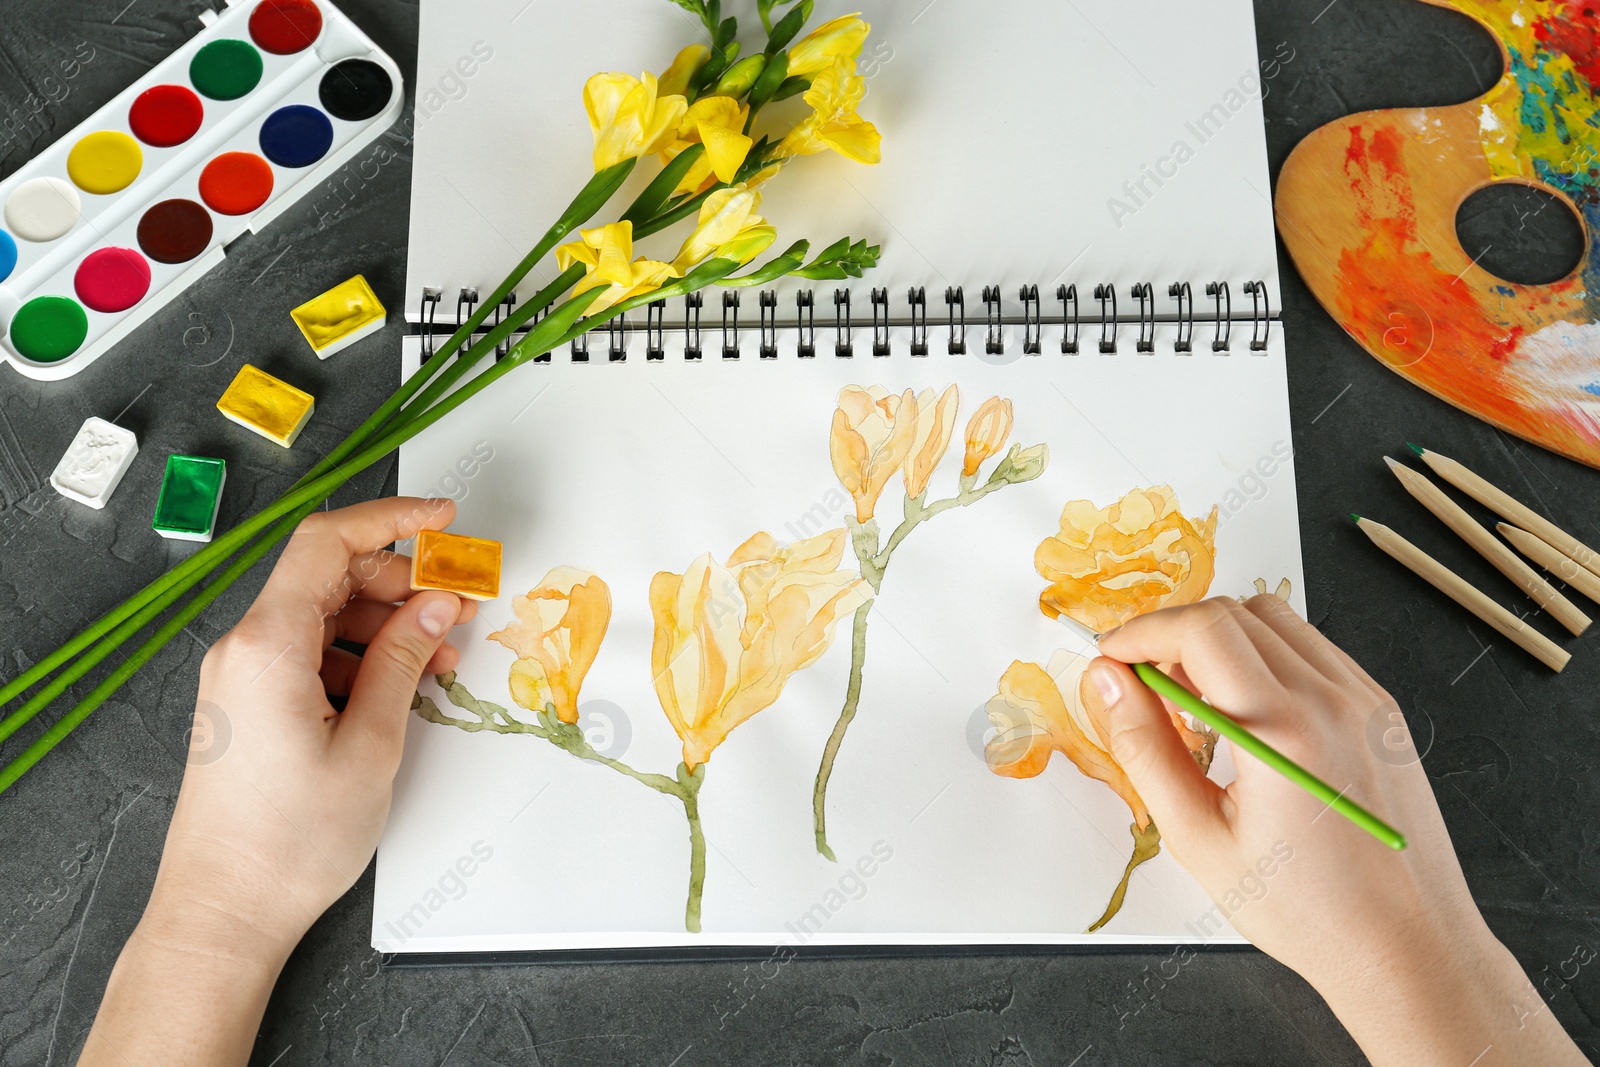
column 1510, row 748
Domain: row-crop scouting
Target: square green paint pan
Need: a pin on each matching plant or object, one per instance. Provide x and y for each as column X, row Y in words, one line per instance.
column 122, row 214
column 191, row 496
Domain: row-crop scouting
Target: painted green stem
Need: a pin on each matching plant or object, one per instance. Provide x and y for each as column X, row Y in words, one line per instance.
column 874, row 562
column 1146, row 844
column 569, row 737
column 852, row 700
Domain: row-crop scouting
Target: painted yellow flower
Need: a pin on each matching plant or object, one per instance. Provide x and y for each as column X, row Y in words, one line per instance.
column 728, row 227
column 728, row 638
column 834, row 95
column 556, row 635
column 936, row 421
column 873, row 432
column 987, row 433
column 629, row 117
column 718, row 123
column 1040, row 711
column 1107, row 565
column 839, row 38
column 675, row 79
column 608, row 253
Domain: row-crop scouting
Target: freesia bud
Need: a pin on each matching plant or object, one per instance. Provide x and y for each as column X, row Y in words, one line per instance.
column 1026, row 464
column 986, row 433
column 818, row 49
column 675, row 79
column 741, row 76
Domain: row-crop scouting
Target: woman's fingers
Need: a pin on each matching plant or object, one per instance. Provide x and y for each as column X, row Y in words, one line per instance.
column 1210, row 640
column 360, row 619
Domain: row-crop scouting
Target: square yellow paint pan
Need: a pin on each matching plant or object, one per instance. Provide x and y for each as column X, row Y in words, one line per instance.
column 266, row 405
column 466, row 566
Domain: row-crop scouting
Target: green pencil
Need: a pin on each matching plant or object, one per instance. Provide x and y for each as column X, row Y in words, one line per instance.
column 1225, row 725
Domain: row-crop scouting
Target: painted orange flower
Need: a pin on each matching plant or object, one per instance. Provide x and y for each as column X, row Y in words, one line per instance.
column 556, row 635
column 1107, row 565
column 1040, row 711
column 873, row 433
column 987, row 433
column 936, row 421
column 728, row 637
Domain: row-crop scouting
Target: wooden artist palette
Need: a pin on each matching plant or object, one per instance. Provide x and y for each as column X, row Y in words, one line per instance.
column 1367, row 208
column 118, row 217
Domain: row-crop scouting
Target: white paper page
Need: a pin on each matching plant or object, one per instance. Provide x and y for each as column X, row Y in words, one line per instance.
column 626, row 469
column 1029, row 142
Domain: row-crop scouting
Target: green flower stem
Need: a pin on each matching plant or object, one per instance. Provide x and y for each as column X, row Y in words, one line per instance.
column 874, row 562
column 1146, row 845
column 590, row 199
column 852, row 699
column 569, row 737
column 114, row 681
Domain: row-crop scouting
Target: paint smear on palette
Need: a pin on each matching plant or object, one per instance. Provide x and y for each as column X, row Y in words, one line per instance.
column 1379, row 247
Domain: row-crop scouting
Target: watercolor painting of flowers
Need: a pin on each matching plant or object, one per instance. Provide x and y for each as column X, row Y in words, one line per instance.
column 1105, row 566
column 875, row 436
column 727, row 639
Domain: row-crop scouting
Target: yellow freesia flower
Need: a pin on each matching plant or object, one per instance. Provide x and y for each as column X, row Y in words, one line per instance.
column 728, row 220
column 835, row 39
column 987, row 433
column 727, row 638
column 1107, row 565
column 718, row 123
column 936, row 421
column 629, row 117
column 675, row 79
column 834, row 95
column 873, row 432
column 556, row 635
column 608, row 253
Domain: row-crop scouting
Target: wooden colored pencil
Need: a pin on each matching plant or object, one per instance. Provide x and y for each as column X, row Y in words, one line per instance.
column 1557, row 563
column 1510, row 508
column 1464, row 593
column 1491, row 548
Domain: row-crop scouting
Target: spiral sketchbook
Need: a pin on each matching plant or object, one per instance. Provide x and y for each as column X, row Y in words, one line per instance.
column 824, row 707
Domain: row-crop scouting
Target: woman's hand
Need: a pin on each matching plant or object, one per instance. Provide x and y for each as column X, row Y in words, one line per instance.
column 284, row 797
column 1393, row 940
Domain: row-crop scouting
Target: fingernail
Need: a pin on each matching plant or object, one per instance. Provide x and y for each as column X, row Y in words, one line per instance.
column 437, row 616
column 1107, row 684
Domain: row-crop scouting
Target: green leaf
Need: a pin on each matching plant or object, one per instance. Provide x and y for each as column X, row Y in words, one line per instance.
column 791, row 24
column 791, row 87
column 777, row 70
column 650, row 202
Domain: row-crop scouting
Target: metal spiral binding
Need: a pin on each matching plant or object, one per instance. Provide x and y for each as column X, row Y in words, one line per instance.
column 1031, row 329
column 504, row 308
column 842, row 346
column 1224, row 299
column 918, row 301
column 730, row 324
column 1108, row 324
column 769, row 324
column 1032, row 321
column 805, row 324
column 880, row 322
column 1260, row 315
column 953, row 300
column 994, row 340
column 1068, row 295
column 655, row 330
column 1147, row 317
column 1181, row 292
column 692, row 302
column 431, row 295
column 617, row 339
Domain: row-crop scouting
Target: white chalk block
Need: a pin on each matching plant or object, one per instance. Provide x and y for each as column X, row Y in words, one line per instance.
column 95, row 462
